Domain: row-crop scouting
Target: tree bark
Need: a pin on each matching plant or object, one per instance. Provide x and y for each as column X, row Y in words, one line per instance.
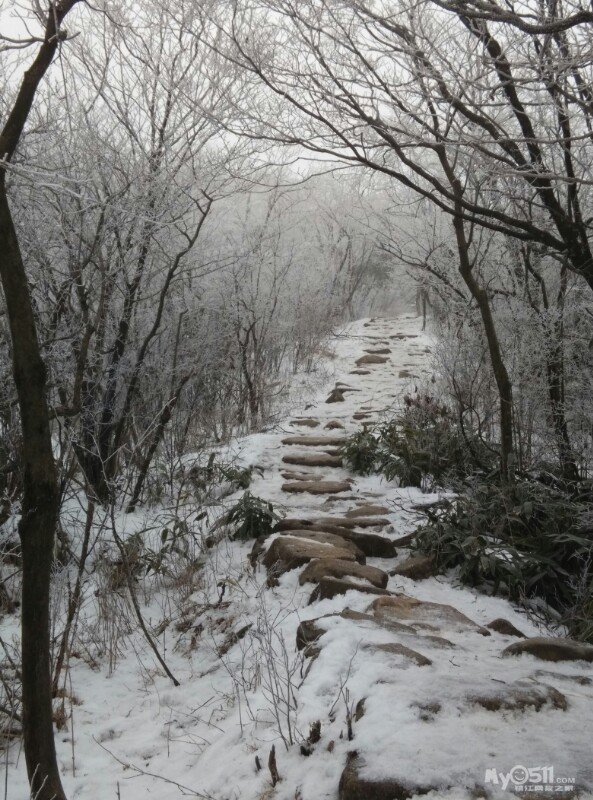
column 38, row 519
column 37, row 526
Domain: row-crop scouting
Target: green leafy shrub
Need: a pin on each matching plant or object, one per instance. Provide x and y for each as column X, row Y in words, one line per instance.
column 251, row 517
column 523, row 541
column 361, row 452
column 422, row 446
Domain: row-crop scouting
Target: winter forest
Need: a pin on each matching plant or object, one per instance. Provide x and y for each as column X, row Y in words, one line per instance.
column 296, row 399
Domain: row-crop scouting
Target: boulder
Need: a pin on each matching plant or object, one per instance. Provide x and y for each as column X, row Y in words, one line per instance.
column 371, row 359
column 316, row 487
column 305, row 422
column 400, row 650
column 332, row 587
column 353, row 787
column 312, row 460
column 505, row 627
column 315, row 441
column 370, row 543
column 288, row 552
column 297, row 475
column 581, row 680
column 358, row 522
column 324, row 537
column 308, row 632
column 335, row 568
column 417, row 567
column 434, row 615
column 521, row 696
column 336, row 396
column 405, row 541
column 366, row 511
column 548, row 649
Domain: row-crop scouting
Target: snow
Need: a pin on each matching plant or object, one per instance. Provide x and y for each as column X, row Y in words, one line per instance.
column 136, row 735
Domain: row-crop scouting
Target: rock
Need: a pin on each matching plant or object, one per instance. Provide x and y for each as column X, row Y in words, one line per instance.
column 360, row 415
column 521, row 696
column 312, row 460
column 428, row 711
column 370, row 543
column 371, row 359
column 378, row 351
column 316, row 487
column 582, row 680
column 359, row 710
column 435, row 615
column 403, row 373
column 551, row 649
column 345, row 387
column 405, row 541
column 336, row 396
column 323, row 537
column 397, row 649
column 366, row 511
column 353, row 787
column 321, row 568
column 505, row 627
column 308, row 632
column 332, row 587
column 358, row 522
column 418, row 568
column 333, row 424
column 286, row 553
column 294, row 475
column 360, row 372
column 315, row 441
column 306, row 422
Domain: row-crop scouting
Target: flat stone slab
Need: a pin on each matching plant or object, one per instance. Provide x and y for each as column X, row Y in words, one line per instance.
column 353, row 787
column 410, row 609
column 360, row 372
column 287, row 553
column 356, row 522
column 327, row 588
column 378, row 351
column 548, row 649
column 312, row 460
column 321, row 568
column 294, row 475
column 504, row 627
column 417, row 568
column 316, row 487
column 323, row 537
column 371, row 544
column 315, row 441
column 366, row 511
column 306, row 422
column 400, row 650
column 520, row 696
column 371, row 359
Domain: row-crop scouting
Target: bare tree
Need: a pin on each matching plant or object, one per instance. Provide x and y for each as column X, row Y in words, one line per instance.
column 40, row 488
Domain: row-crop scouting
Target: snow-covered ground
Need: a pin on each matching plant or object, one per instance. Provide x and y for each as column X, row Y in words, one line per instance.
column 131, row 733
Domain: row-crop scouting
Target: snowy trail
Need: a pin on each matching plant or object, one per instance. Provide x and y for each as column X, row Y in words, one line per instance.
column 405, row 667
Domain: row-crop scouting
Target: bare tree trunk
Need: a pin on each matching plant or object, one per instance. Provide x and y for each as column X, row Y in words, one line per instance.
column 37, row 526
column 501, row 376
column 39, row 516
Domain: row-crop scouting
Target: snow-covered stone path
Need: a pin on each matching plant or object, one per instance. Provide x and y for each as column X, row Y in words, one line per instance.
column 368, row 684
